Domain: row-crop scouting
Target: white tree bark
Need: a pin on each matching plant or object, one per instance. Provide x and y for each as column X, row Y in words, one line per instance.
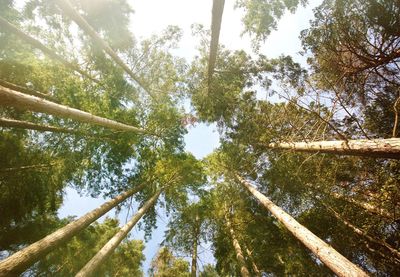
column 217, row 10
column 329, row 256
column 20, row 100
column 239, row 253
column 90, row 268
column 23, row 259
column 379, row 148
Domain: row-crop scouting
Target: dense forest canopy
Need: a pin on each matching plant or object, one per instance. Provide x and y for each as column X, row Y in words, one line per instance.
column 306, row 178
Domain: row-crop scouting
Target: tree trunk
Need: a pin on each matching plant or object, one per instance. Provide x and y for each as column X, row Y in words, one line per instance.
column 364, row 234
column 378, row 148
column 329, row 256
column 26, row 90
column 110, row 246
column 28, row 167
column 23, row 259
column 20, row 100
column 74, row 15
column 217, row 10
column 13, row 123
column 196, row 234
column 37, row 44
column 367, row 206
column 239, row 253
column 253, row 264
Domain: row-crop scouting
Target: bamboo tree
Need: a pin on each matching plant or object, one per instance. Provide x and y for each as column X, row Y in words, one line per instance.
column 23, row 259
column 20, row 100
column 329, row 256
column 73, row 14
column 379, row 148
column 239, row 253
column 37, row 44
column 110, row 246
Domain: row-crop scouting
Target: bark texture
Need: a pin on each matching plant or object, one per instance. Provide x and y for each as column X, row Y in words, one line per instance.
column 20, row 100
column 378, row 148
column 239, row 253
column 90, row 268
column 37, row 44
column 253, row 264
column 74, row 15
column 339, row 264
column 23, row 259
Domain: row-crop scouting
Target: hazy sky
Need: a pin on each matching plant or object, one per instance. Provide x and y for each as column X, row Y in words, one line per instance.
column 151, row 17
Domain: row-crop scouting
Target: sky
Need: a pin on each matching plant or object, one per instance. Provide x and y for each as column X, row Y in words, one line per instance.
column 151, row 17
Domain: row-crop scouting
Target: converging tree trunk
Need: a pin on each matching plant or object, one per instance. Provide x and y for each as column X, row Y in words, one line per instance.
column 217, row 10
column 26, row 90
column 28, row 167
column 110, row 246
column 74, row 15
column 365, row 235
column 378, row 148
column 196, row 234
column 37, row 44
column 239, row 253
column 253, row 264
column 23, row 259
column 329, row 256
column 367, row 206
column 20, row 100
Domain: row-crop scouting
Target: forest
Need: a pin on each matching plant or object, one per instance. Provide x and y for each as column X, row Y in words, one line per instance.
column 305, row 180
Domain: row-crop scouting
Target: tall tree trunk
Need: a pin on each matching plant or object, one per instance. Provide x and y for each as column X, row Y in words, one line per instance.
column 28, row 167
column 37, row 44
column 26, row 90
column 196, row 234
column 110, row 246
column 378, row 148
column 20, row 100
column 365, row 235
column 329, row 256
column 13, row 123
column 217, row 10
column 253, row 264
column 23, row 259
column 74, row 15
column 239, row 253
column 367, row 206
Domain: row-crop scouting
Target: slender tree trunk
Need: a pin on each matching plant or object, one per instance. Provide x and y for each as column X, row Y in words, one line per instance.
column 329, row 256
column 28, row 167
column 20, row 100
column 239, row 253
column 26, row 90
column 253, row 264
column 110, row 246
column 365, row 235
column 74, row 15
column 37, row 44
column 217, row 10
column 196, row 234
column 23, row 259
column 378, row 148
column 13, row 123
column 367, row 206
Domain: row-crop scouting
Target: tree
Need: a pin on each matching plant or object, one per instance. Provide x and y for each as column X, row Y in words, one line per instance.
column 164, row 264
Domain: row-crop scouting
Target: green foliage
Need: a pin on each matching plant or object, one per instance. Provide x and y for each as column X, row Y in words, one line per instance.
column 69, row 259
column 164, row 264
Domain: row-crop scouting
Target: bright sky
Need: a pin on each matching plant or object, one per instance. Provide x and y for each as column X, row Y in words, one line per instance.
column 151, row 17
